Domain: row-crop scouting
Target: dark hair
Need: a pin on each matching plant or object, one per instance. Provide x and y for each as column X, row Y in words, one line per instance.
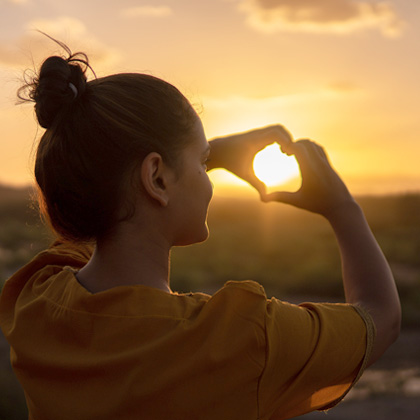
column 97, row 132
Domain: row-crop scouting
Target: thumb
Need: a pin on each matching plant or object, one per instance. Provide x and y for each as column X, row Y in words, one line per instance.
column 257, row 184
column 282, row 197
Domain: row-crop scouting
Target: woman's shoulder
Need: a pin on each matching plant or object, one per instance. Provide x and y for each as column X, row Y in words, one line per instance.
column 243, row 287
column 59, row 254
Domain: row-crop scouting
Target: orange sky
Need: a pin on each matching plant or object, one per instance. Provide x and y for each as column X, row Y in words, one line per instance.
column 343, row 72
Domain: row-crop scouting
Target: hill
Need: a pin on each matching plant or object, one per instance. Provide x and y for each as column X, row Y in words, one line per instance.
column 291, row 252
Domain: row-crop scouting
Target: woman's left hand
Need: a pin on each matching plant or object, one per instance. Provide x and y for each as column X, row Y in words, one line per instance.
column 236, row 152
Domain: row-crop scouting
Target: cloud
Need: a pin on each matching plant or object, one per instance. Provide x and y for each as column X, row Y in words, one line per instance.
column 343, row 86
column 324, row 16
column 14, row 1
column 146, row 11
column 35, row 47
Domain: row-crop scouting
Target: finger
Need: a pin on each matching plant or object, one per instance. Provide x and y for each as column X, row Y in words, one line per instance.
column 310, row 156
column 285, row 197
column 323, row 155
column 319, row 158
column 273, row 134
column 300, row 149
column 313, row 148
column 284, row 137
column 258, row 185
column 293, row 148
column 287, row 149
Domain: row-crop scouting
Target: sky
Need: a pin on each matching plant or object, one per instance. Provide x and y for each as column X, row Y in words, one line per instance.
column 345, row 73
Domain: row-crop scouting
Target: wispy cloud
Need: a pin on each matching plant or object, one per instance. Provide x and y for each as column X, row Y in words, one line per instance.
column 343, row 86
column 15, row 1
column 146, row 11
column 33, row 46
column 334, row 16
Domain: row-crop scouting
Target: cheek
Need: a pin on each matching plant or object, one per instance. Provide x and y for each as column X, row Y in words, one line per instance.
column 208, row 187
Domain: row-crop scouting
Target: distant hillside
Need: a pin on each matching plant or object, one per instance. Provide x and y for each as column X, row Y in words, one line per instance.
column 22, row 233
column 13, row 194
column 290, row 251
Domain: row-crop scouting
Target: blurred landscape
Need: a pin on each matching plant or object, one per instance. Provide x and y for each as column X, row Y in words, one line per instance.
column 292, row 253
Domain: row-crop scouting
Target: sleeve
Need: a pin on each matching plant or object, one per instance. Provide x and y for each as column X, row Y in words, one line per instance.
column 314, row 355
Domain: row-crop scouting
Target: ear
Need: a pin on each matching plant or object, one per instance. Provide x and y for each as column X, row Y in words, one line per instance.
column 154, row 177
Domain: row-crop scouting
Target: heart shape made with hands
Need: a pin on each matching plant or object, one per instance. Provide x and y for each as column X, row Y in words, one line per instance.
column 275, row 169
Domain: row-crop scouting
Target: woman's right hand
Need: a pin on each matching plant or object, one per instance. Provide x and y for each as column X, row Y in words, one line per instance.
column 322, row 190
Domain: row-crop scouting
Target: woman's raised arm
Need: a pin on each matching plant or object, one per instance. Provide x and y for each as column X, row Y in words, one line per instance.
column 367, row 278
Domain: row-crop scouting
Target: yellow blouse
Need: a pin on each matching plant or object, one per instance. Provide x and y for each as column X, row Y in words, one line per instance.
column 134, row 352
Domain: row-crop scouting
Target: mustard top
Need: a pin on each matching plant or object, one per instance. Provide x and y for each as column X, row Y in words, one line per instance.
column 135, row 352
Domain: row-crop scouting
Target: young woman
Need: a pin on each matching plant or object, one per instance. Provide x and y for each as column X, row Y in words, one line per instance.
column 101, row 335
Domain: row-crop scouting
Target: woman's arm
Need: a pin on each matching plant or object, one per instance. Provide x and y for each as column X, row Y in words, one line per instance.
column 367, row 278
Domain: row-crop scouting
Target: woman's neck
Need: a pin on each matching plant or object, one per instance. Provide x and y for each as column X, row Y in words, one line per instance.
column 128, row 258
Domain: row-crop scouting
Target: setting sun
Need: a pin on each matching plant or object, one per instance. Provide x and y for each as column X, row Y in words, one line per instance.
column 252, row 72
column 274, row 167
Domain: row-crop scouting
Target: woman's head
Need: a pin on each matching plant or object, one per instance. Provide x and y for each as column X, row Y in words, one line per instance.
column 97, row 134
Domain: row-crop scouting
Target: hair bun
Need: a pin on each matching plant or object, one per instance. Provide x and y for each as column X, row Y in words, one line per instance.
column 60, row 83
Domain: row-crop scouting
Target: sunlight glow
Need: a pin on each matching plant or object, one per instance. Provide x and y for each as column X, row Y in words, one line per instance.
column 274, row 167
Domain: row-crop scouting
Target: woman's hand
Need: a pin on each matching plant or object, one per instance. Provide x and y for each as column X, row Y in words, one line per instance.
column 236, row 153
column 322, row 190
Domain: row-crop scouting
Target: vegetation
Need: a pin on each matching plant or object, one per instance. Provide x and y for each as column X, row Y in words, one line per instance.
column 292, row 253
column 22, row 233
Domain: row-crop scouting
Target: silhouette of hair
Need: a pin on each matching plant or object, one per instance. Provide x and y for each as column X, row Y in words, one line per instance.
column 97, row 133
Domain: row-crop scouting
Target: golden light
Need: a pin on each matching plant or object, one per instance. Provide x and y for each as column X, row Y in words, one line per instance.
column 274, row 168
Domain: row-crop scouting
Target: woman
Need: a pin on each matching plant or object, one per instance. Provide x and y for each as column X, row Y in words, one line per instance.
column 122, row 164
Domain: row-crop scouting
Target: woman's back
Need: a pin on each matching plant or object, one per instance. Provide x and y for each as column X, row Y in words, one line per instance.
column 138, row 352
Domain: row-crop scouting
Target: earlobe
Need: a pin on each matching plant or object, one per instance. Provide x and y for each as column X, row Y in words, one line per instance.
column 153, row 177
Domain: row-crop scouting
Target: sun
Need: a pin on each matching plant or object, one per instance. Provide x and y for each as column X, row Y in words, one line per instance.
column 274, row 168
